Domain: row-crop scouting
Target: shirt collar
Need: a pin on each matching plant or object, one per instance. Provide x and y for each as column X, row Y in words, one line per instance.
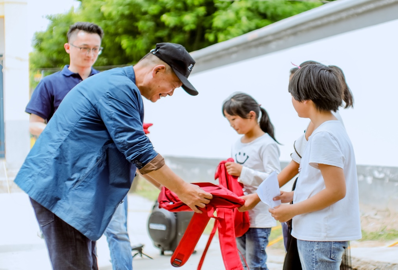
column 66, row 72
column 129, row 70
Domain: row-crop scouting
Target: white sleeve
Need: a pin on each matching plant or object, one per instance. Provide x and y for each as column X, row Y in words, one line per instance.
column 299, row 147
column 325, row 150
column 270, row 159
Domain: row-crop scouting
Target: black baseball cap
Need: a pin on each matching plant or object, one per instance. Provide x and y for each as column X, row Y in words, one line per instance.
column 178, row 58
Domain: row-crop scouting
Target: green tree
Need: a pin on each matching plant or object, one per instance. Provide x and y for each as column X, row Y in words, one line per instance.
column 48, row 46
column 133, row 27
column 235, row 18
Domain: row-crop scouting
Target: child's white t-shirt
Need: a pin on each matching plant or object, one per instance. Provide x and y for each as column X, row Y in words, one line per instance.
column 329, row 144
column 259, row 159
column 301, row 142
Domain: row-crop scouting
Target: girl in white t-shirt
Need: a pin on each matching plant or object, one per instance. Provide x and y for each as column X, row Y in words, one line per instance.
column 325, row 211
column 301, row 142
column 256, row 155
column 292, row 169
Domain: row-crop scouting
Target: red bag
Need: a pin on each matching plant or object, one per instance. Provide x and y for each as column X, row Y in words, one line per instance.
column 242, row 220
column 229, row 220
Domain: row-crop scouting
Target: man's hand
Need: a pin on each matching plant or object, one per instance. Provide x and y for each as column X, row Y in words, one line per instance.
column 250, row 202
column 233, row 169
column 194, row 196
column 285, row 197
column 283, row 213
column 191, row 195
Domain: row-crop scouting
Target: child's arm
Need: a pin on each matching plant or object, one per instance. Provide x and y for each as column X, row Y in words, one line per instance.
column 335, row 190
column 253, row 199
column 288, row 173
column 250, row 202
column 270, row 160
column 284, row 176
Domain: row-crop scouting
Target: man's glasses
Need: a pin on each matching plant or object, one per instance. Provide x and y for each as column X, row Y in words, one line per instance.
column 87, row 50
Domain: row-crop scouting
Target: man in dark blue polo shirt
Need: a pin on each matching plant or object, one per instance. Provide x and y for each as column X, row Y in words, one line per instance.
column 49, row 94
column 83, row 47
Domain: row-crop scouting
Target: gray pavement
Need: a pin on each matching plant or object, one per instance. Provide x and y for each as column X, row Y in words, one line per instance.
column 22, row 248
column 375, row 258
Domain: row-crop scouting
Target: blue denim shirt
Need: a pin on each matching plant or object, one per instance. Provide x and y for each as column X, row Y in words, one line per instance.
column 79, row 167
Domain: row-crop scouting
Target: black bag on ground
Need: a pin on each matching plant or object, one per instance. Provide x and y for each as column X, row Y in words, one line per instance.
column 166, row 228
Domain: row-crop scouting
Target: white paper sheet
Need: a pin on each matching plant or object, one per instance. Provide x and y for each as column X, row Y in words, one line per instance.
column 269, row 189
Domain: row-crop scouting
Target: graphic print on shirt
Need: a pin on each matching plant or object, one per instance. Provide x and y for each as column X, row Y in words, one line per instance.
column 242, row 157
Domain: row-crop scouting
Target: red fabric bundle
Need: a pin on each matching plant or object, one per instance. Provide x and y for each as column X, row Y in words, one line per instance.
column 242, row 220
column 146, row 126
column 229, row 221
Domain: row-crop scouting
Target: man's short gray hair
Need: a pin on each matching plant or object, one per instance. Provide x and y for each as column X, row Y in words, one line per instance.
column 151, row 59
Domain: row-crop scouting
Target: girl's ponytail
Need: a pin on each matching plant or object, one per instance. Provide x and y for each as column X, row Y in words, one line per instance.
column 266, row 124
column 348, row 98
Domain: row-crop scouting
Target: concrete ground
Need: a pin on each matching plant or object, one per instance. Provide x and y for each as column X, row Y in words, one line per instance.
column 22, row 248
column 375, row 258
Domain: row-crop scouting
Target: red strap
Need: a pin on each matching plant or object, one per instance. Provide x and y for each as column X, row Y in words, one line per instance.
column 243, row 257
column 226, row 234
column 188, row 242
column 226, row 231
column 228, row 220
column 213, row 232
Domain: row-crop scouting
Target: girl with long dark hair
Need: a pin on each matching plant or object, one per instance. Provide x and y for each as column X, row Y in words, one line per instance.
column 256, row 155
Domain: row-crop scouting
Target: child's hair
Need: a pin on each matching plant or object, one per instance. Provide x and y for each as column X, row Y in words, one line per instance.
column 318, row 83
column 348, row 97
column 305, row 63
column 240, row 104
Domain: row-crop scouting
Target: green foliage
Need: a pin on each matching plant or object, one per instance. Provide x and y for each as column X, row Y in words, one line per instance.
column 235, row 18
column 133, row 27
column 49, row 45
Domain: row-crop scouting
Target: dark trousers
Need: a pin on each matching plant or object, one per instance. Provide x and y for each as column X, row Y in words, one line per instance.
column 292, row 258
column 67, row 247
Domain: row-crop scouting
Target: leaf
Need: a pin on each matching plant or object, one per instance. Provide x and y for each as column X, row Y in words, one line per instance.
column 133, row 27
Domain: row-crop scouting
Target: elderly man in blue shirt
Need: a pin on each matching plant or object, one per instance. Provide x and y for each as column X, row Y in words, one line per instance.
column 78, row 172
column 83, row 47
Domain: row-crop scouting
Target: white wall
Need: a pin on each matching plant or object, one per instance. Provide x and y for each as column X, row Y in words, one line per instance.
column 16, row 83
column 2, row 36
column 194, row 126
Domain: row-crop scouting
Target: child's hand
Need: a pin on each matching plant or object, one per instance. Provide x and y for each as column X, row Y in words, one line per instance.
column 282, row 213
column 285, row 197
column 233, row 169
column 250, row 202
